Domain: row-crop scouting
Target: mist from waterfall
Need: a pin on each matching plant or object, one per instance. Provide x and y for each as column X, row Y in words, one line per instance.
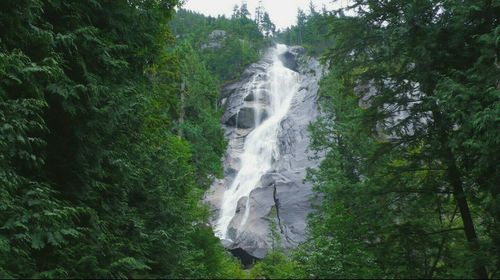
column 261, row 144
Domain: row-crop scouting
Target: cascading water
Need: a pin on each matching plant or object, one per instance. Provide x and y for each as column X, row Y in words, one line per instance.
column 261, row 145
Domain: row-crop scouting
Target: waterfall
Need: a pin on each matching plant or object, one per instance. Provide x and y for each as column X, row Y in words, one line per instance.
column 261, row 144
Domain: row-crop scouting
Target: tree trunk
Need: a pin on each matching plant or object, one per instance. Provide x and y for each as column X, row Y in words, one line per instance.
column 454, row 178
column 181, row 114
column 463, row 206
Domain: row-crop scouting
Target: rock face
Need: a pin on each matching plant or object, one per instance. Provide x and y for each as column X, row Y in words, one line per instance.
column 246, row 117
column 283, row 187
column 216, row 35
column 215, row 39
column 289, row 61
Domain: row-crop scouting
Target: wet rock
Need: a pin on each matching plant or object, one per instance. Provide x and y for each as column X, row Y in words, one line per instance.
column 297, row 50
column 289, row 60
column 250, row 97
column 262, row 97
column 245, row 118
column 253, row 236
column 285, row 182
column 232, row 232
column 233, row 94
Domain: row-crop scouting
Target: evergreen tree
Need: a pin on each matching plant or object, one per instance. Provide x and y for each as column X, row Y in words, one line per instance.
column 268, row 26
column 301, row 23
column 243, row 12
column 96, row 182
column 259, row 14
column 276, row 264
column 240, row 45
column 236, row 11
column 404, row 148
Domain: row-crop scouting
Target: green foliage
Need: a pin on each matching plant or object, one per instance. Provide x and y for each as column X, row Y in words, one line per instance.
column 268, row 26
column 408, row 125
column 241, row 45
column 337, row 253
column 201, row 125
column 311, row 31
column 99, row 176
column 237, row 55
column 276, row 265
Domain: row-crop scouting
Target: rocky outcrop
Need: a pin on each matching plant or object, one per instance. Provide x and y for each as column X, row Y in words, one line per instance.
column 289, row 61
column 291, row 57
column 217, row 35
column 284, row 187
column 215, row 39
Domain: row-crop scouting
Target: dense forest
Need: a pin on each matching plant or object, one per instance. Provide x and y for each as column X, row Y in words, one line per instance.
column 110, row 134
column 411, row 116
column 104, row 158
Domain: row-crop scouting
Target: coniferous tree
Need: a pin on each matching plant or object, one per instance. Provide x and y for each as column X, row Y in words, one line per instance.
column 268, row 26
column 399, row 172
column 95, row 180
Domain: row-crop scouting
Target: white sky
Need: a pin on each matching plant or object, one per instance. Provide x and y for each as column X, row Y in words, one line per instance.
column 282, row 12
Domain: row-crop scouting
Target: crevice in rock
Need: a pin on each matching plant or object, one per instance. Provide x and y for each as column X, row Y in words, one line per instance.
column 277, row 206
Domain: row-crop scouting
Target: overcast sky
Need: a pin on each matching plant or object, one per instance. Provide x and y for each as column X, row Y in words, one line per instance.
column 282, row 12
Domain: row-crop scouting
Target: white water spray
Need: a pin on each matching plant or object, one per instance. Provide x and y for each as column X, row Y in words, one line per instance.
column 261, row 145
